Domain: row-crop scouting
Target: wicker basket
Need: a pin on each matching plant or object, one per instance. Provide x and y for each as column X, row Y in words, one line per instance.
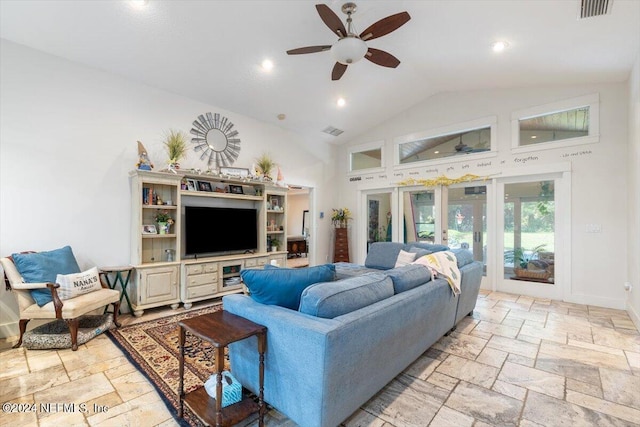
column 529, row 274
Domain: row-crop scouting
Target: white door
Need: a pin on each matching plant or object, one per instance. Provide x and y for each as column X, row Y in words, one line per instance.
column 530, row 235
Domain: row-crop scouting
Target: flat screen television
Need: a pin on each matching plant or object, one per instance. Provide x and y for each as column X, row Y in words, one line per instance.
column 213, row 230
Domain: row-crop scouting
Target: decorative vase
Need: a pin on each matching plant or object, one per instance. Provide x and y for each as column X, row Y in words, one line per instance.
column 162, row 228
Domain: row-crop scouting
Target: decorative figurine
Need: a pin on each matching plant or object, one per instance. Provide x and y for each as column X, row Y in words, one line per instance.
column 143, row 159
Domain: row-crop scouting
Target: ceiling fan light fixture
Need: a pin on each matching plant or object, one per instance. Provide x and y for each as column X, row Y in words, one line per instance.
column 349, row 50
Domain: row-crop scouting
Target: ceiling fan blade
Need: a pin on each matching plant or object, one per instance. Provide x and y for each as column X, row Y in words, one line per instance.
column 381, row 57
column 385, row 26
column 332, row 21
column 338, row 71
column 308, row 49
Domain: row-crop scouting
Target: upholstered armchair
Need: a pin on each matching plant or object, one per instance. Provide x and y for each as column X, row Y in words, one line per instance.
column 69, row 309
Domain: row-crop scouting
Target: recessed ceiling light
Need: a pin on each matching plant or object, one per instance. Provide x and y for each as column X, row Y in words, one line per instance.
column 281, row 116
column 267, row 65
column 533, row 137
column 341, row 102
column 139, row 4
column 436, row 152
column 499, row 46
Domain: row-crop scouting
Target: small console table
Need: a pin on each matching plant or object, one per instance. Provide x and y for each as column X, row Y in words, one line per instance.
column 118, row 278
column 221, row 328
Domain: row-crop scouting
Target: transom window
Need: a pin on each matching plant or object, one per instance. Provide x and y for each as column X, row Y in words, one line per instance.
column 366, row 157
column 564, row 123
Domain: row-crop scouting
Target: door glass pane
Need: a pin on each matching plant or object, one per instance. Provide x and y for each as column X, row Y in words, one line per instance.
column 378, row 218
column 529, row 231
column 467, row 220
column 419, row 216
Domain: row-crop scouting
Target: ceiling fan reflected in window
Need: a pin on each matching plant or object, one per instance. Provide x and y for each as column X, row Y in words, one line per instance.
column 351, row 47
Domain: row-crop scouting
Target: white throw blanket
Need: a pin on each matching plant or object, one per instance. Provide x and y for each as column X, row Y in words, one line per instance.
column 445, row 264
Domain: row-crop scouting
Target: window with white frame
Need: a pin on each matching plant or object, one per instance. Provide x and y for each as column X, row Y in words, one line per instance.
column 448, row 143
column 569, row 122
column 366, row 157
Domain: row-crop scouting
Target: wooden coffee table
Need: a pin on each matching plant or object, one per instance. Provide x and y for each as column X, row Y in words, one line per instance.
column 221, row 328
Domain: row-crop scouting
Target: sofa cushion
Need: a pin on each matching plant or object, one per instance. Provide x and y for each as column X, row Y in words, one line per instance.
column 344, row 270
column 404, row 258
column 408, row 277
column 283, row 286
column 43, row 267
column 332, row 299
column 419, row 252
column 427, row 246
column 383, row 255
column 463, row 256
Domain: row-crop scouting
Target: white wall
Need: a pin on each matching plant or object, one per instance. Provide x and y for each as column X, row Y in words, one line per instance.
column 68, row 140
column 599, row 172
column 633, row 216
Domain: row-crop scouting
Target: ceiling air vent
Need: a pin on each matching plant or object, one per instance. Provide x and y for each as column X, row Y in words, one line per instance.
column 332, row 131
column 591, row 8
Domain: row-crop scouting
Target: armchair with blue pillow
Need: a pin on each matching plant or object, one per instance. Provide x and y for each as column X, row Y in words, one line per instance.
column 50, row 285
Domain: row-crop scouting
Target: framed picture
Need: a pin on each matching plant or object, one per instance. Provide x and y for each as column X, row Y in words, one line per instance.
column 235, row 189
column 149, row 229
column 192, row 185
column 275, row 203
column 204, row 186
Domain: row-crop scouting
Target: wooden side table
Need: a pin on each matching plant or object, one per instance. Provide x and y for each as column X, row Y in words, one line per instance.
column 341, row 246
column 221, row 328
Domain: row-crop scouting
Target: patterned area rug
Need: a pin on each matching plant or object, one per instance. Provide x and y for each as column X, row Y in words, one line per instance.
column 153, row 348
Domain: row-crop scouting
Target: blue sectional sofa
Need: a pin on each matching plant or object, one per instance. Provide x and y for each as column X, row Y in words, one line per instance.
column 349, row 337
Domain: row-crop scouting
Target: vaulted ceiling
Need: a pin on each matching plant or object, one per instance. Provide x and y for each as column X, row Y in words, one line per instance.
column 212, row 50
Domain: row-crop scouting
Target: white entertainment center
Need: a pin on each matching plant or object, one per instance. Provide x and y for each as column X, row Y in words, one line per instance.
column 164, row 273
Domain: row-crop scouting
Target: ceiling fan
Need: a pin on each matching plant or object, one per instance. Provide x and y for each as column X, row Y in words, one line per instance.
column 462, row 148
column 350, row 47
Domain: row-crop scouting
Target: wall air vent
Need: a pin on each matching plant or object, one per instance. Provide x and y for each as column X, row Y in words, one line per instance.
column 332, row 131
column 591, row 8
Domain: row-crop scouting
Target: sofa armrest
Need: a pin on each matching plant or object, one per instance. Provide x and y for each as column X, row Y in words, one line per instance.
column 295, row 359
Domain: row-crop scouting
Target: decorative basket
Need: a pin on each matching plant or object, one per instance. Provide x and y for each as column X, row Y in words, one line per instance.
column 530, row 274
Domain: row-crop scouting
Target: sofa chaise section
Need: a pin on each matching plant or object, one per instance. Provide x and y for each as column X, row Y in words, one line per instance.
column 319, row 371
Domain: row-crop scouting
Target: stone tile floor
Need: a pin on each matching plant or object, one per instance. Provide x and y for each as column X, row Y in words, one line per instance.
column 518, row 361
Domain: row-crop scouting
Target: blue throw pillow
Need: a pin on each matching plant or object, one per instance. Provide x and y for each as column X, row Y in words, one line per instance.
column 283, row 286
column 43, row 267
column 383, row 255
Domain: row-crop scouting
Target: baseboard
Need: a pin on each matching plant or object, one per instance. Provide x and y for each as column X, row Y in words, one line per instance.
column 8, row 330
column 616, row 303
column 634, row 315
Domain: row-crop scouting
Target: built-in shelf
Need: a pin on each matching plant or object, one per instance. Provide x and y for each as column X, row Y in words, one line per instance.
column 220, row 195
column 167, row 207
column 158, row 236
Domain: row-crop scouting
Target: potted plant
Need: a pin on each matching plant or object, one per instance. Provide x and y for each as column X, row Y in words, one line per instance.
column 176, row 145
column 526, row 262
column 274, row 244
column 164, row 221
column 340, row 217
column 265, row 164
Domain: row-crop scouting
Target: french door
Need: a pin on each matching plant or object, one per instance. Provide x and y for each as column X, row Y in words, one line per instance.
column 533, row 228
column 518, row 226
column 454, row 216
